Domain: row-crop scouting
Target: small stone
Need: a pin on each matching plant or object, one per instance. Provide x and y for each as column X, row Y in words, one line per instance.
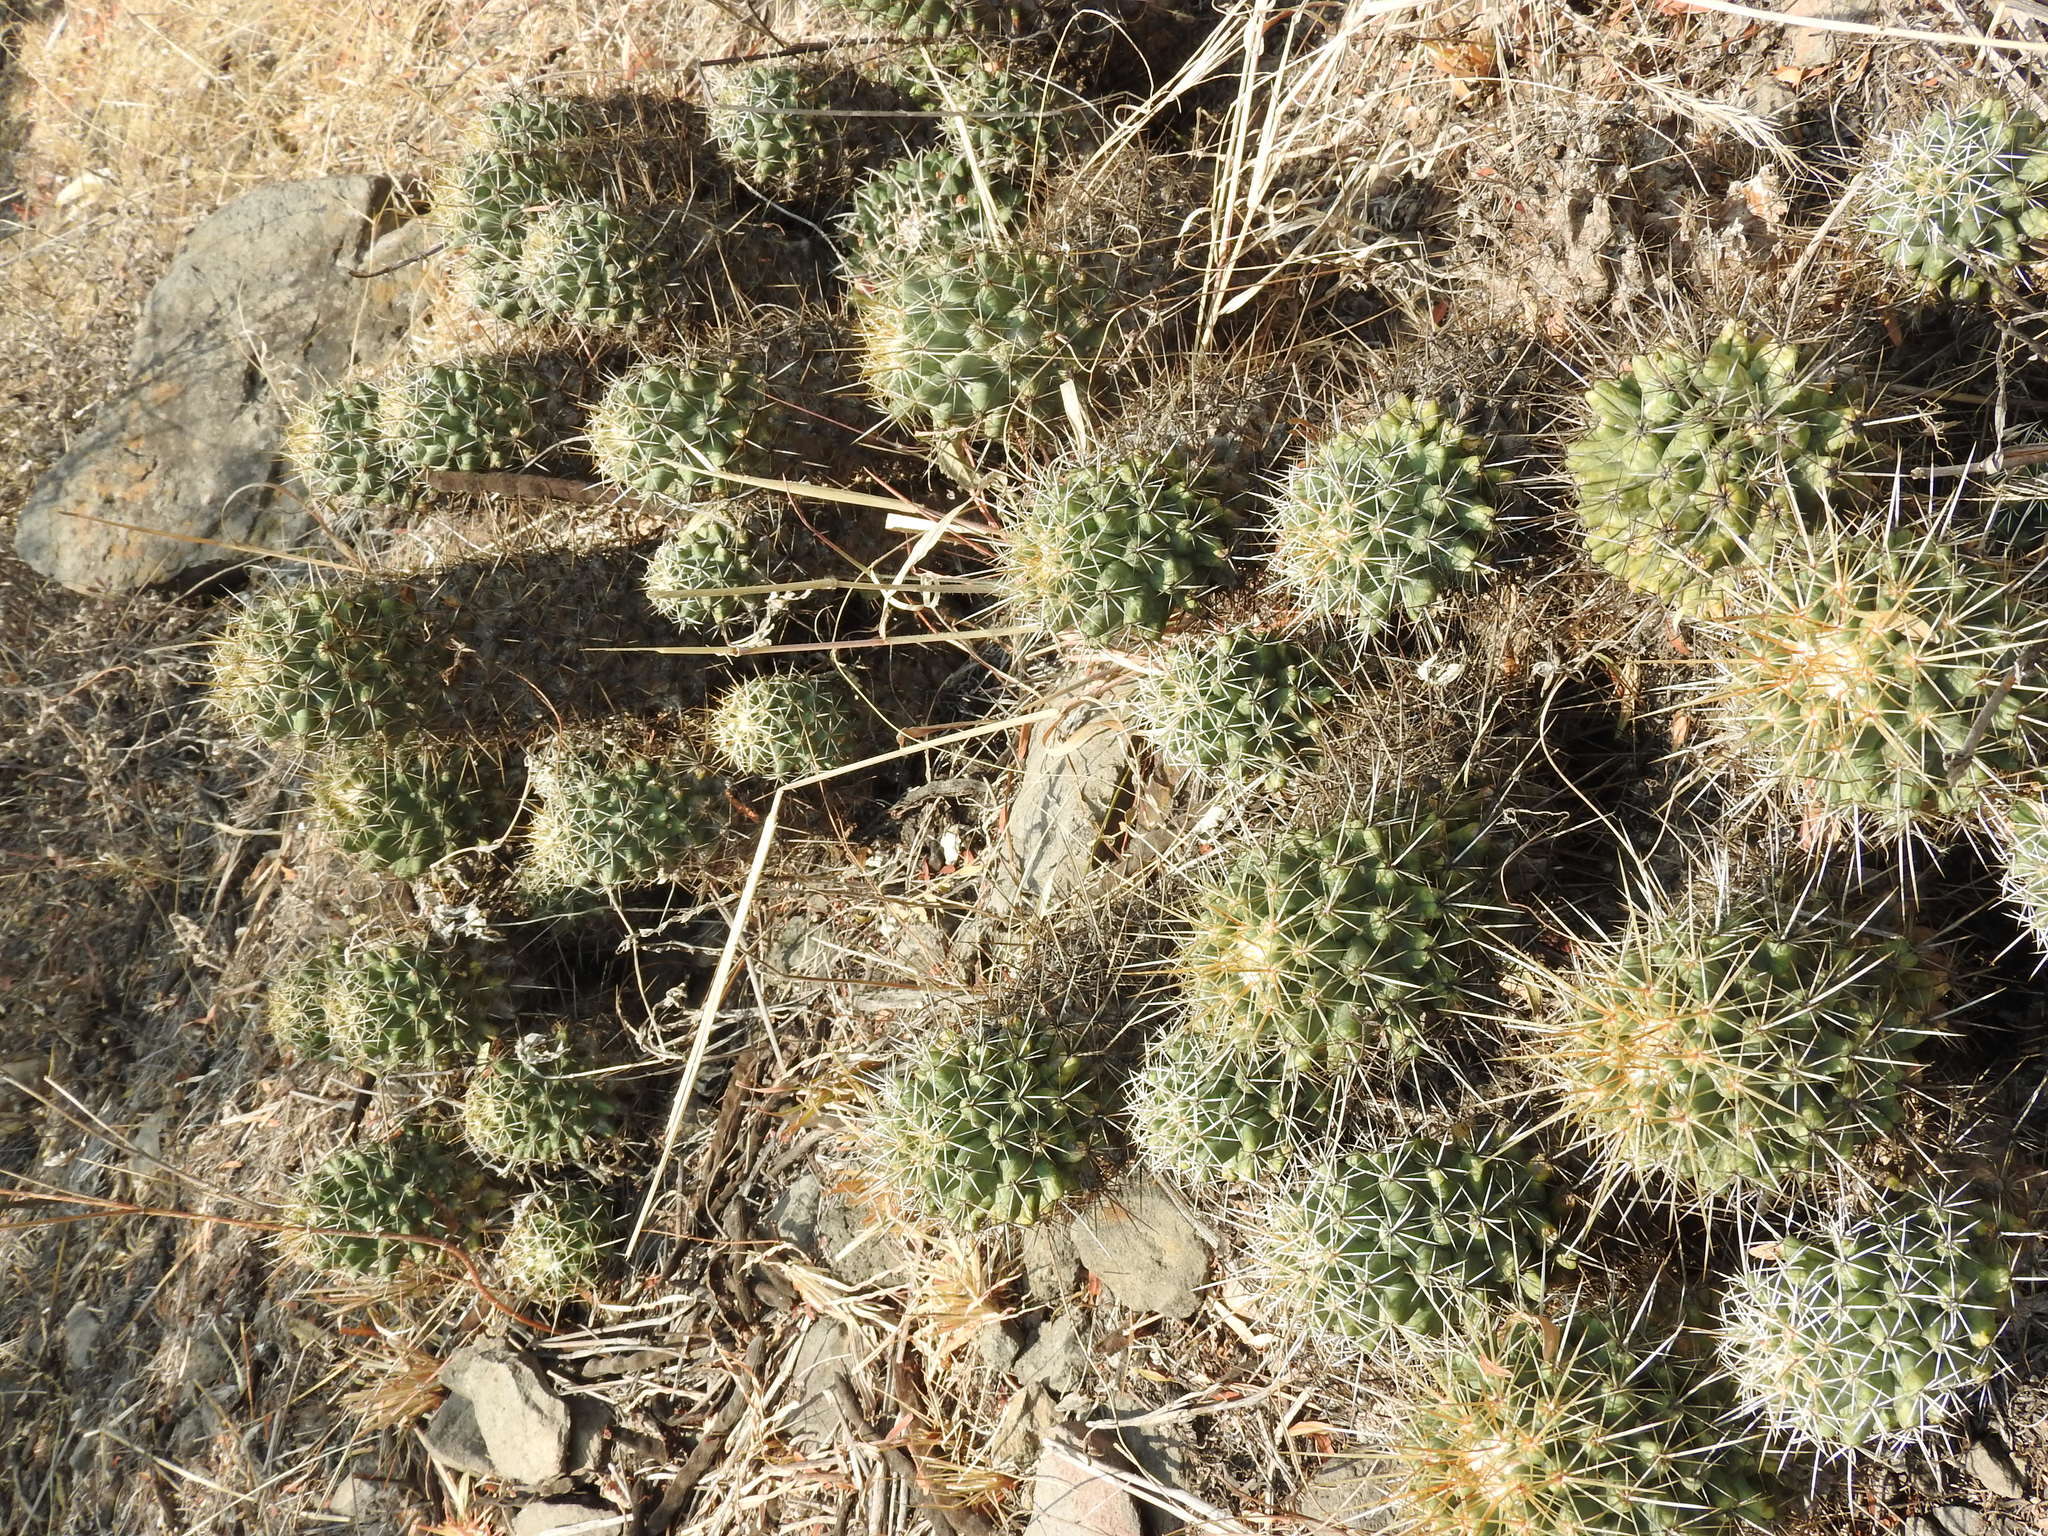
column 1961, row 1520
column 81, row 1332
column 1812, row 47
column 1352, row 1494
column 368, row 1502
column 589, row 1418
column 568, row 1517
column 1992, row 1465
column 1057, row 1358
column 822, row 1357
column 1052, row 1270
column 1068, row 1499
column 523, row 1424
column 453, row 1439
column 1148, row 1254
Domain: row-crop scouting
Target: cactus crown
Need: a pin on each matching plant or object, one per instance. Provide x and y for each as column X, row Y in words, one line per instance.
column 786, row 725
column 1746, row 1045
column 403, row 810
column 995, row 1123
column 1240, row 705
column 617, row 808
column 329, row 664
column 664, row 427
column 1119, row 547
column 692, row 575
column 334, row 445
column 1232, row 1113
column 918, row 210
column 536, row 1105
column 1346, row 946
column 603, row 268
column 1384, row 518
column 482, row 416
column 408, row 1005
column 1961, row 201
column 557, row 1242
column 1695, row 465
column 794, row 127
column 411, row 1185
column 1873, row 1327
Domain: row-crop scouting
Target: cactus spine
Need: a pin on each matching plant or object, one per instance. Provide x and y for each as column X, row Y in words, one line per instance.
column 786, row 725
column 334, row 444
column 618, row 806
column 697, row 575
column 537, row 1105
column 480, row 416
column 404, row 1004
column 1232, row 1113
column 405, row 809
column 557, row 1243
column 794, row 128
column 410, row 1186
column 668, row 426
column 1241, row 705
column 1961, row 201
column 331, row 664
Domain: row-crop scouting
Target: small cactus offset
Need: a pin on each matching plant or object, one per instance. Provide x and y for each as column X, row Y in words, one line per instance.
column 1204, row 1112
column 295, row 1006
column 1385, row 518
column 402, row 810
column 795, row 128
column 1578, row 1428
column 786, row 725
column 619, row 806
column 2021, row 830
column 1745, row 1045
column 602, row 268
column 993, row 1123
column 536, row 1105
column 1005, row 115
column 1961, row 201
column 668, row 426
column 1118, row 548
column 558, row 1242
column 920, row 209
column 1241, row 705
column 1696, row 465
column 329, row 664
column 481, row 416
column 1876, row 1326
column 408, row 1005
column 986, row 342
column 410, row 1186
column 1415, row 1241
column 334, row 444
column 1349, row 946
column 1890, row 679
column 696, row 575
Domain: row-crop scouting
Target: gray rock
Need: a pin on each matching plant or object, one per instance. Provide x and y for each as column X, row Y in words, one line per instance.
column 823, row 1355
column 568, row 1517
column 831, row 1230
column 1148, row 1255
column 1068, row 811
column 82, row 1328
column 1014, row 1441
column 1811, row 48
column 1961, row 1520
column 257, row 309
column 1057, row 1358
column 1992, row 1465
column 1052, row 1270
column 453, row 1438
column 372, row 1506
column 1352, row 1494
column 1067, row 1499
column 589, row 1418
column 524, row 1426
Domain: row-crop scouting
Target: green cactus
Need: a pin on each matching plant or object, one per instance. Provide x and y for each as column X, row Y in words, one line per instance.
column 334, row 445
column 558, row 1242
column 1205, row 1112
column 1415, row 1241
column 1349, row 946
column 328, row 664
column 402, row 810
column 943, row 18
column 295, row 1007
column 797, row 127
column 537, row 1105
column 667, row 426
column 1696, row 466
column 787, row 725
column 410, row 1186
column 692, row 575
column 1578, row 1428
column 1961, row 201
column 618, row 806
column 486, row 198
column 602, row 268
column 1384, row 518
column 1874, row 1327
column 995, row 1123
column 481, row 416
column 922, row 209
column 2021, row 832
column 407, row 1005
column 1890, row 679
column 986, row 342
column 1241, row 705
column 1747, row 1044
column 1117, row 548
column 1005, row 113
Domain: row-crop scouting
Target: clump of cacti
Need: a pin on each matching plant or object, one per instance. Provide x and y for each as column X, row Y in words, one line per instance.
column 1205, row 1112
column 1416, row 1240
column 334, row 444
column 403, row 809
column 996, row 1122
column 1694, row 466
column 802, row 127
column 328, row 664
column 1241, row 705
column 1119, row 547
column 1576, row 1428
column 2022, row 835
column 668, row 426
column 295, row 1005
column 536, row 1104
column 410, row 1004
column 479, row 416
column 1384, row 518
column 1890, row 678
column 1876, row 1326
column 918, row 209
column 699, row 574
column 604, row 268
column 987, row 342
column 1747, row 1044
column 557, row 1243
column 1351, row 945
column 786, row 725
column 413, row 1185
column 1961, row 200
column 618, row 807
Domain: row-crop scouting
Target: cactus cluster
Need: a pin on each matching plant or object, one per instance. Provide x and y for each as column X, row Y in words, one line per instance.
column 557, row 1243
column 920, row 209
column 410, row 1186
column 478, row 416
column 334, row 443
column 407, row 1004
column 1241, row 705
column 697, row 576
column 536, row 1104
column 1205, row 1112
column 786, row 725
column 1875, row 1326
column 668, row 426
column 295, row 1004
column 403, row 809
column 1961, row 200
column 603, row 268
column 618, row 808
column 328, row 664
column 805, row 127
column 1383, row 519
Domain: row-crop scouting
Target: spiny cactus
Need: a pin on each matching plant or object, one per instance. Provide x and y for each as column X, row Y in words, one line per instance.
column 329, row 664
column 694, row 574
column 1386, row 517
column 1205, row 1112
column 986, row 342
column 1578, row 1428
column 412, row 1185
column 664, row 427
column 796, row 127
column 1414, row 1241
column 1961, row 201
column 402, row 810
column 787, row 725
column 618, row 806
column 1118, row 548
column 1890, row 679
column 408, row 1005
column 486, row 198
column 1345, row 946
column 919, row 209
column 2022, row 835
column 1695, row 465
column 295, row 1006
column 1751, row 1043
column 994, row 1123
column 481, row 416
column 1242, row 705
column 1875, row 1326
column 588, row 264
column 557, row 1243
column 1006, row 113
column 537, row 1105
column 943, row 18
column 334, row 445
